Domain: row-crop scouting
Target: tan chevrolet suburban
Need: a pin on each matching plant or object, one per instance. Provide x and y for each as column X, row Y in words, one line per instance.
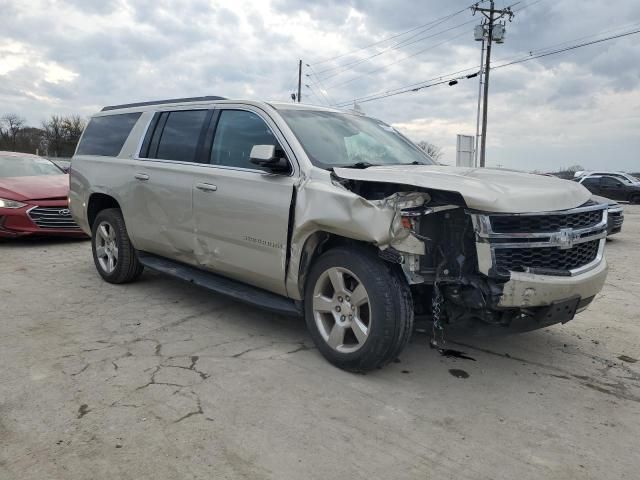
column 335, row 216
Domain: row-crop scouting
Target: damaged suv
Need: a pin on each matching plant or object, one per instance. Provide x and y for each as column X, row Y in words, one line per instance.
column 335, row 216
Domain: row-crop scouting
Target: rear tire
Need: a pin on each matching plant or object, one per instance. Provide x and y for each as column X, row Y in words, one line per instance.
column 113, row 254
column 635, row 199
column 358, row 309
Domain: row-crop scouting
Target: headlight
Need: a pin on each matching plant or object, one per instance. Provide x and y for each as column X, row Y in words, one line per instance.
column 6, row 203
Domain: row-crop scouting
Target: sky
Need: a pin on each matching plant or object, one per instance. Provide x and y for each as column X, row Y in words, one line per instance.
column 581, row 107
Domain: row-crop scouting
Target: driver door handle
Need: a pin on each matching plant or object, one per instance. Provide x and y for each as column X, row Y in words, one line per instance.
column 206, row 187
column 143, row 177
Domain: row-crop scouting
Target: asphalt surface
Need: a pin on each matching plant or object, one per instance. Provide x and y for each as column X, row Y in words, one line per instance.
column 162, row 380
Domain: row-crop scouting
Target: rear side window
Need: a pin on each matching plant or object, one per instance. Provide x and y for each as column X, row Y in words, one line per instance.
column 236, row 134
column 178, row 135
column 106, row 135
column 591, row 182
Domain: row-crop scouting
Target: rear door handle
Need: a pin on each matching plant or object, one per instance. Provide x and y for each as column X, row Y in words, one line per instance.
column 206, row 187
column 141, row 176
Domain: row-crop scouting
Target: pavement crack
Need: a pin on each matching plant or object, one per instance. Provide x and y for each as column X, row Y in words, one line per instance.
column 81, row 370
column 197, row 411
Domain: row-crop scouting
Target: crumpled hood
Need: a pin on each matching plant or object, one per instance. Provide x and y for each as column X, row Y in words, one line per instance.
column 35, row 187
column 490, row 190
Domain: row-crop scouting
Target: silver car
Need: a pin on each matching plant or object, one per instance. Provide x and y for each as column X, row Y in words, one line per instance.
column 333, row 216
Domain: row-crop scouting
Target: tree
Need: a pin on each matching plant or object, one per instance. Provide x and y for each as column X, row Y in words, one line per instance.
column 432, row 150
column 72, row 127
column 575, row 168
column 53, row 135
column 12, row 124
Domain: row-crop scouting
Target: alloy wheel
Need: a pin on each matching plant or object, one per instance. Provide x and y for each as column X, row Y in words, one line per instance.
column 106, row 247
column 341, row 310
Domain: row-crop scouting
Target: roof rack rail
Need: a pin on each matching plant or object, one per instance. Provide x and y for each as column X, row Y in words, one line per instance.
column 161, row 102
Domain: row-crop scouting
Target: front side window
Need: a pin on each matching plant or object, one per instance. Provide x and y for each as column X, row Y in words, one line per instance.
column 180, row 136
column 236, row 134
column 333, row 139
column 611, row 182
column 106, row 135
column 19, row 166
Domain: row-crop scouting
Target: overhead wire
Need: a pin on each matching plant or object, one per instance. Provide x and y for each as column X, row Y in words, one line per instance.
column 414, row 54
column 401, row 44
column 448, row 78
column 396, row 35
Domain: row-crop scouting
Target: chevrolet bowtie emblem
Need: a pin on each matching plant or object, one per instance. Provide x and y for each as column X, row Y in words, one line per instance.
column 564, row 238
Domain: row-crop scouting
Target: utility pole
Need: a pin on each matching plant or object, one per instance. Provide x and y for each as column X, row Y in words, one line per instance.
column 490, row 31
column 299, row 81
column 475, row 152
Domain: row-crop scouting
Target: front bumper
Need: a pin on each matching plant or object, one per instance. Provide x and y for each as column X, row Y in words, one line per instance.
column 525, row 290
column 17, row 222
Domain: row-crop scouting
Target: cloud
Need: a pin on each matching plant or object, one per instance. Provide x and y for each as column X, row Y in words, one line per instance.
column 75, row 56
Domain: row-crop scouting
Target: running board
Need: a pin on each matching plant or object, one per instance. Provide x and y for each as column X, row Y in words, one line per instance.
column 219, row 284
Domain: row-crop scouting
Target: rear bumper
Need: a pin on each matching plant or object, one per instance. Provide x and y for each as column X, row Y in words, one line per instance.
column 16, row 223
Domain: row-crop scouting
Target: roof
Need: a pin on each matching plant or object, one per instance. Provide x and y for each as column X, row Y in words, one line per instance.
column 173, row 102
column 162, row 102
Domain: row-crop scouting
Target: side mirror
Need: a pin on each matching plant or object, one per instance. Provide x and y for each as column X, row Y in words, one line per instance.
column 269, row 158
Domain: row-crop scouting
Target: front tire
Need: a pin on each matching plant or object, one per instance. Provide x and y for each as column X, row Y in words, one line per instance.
column 358, row 309
column 113, row 254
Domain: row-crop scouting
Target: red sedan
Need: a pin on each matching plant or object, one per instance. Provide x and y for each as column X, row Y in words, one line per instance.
column 33, row 197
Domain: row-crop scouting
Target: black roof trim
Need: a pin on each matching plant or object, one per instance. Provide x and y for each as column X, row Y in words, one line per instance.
column 161, row 102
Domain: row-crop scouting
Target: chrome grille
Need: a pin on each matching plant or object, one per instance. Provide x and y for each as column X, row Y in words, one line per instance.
column 545, row 223
column 552, row 243
column 546, row 258
column 53, row 217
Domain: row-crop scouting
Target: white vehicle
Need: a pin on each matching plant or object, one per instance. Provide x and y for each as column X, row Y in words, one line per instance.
column 582, row 174
column 335, row 217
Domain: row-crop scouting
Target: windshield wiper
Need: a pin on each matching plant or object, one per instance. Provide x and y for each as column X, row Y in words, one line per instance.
column 361, row 165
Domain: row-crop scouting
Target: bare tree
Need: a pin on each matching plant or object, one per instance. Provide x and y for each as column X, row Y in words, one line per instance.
column 432, row 150
column 575, row 168
column 53, row 135
column 72, row 127
column 13, row 124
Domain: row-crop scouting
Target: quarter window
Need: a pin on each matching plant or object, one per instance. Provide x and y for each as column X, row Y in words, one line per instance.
column 236, row 134
column 180, row 136
column 106, row 135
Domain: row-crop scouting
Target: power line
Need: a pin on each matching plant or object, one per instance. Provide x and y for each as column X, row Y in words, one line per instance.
column 573, row 47
column 384, row 67
column 396, row 35
column 320, row 85
column 401, row 44
column 447, row 77
column 406, row 43
column 354, row 64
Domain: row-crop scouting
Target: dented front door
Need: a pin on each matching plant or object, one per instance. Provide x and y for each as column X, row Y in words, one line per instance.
column 241, row 220
column 241, row 213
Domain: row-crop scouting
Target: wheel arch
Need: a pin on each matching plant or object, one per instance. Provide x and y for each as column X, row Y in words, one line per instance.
column 98, row 202
column 315, row 245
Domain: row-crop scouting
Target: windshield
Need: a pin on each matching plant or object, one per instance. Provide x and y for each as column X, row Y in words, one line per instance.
column 632, row 179
column 341, row 140
column 15, row 166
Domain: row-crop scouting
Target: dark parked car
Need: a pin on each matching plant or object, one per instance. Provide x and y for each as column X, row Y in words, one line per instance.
column 613, row 188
